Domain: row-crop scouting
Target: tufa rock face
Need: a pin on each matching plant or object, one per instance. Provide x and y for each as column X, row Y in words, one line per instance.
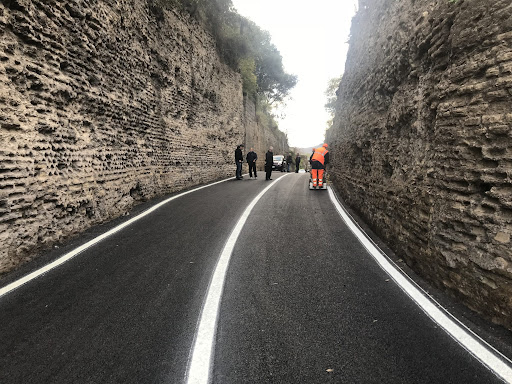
column 103, row 104
column 422, row 140
column 261, row 139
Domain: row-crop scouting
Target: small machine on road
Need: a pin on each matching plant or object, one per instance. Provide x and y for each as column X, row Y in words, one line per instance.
column 324, row 183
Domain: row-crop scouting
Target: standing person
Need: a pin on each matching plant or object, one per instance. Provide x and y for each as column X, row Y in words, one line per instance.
column 251, row 160
column 297, row 163
column 269, row 160
column 289, row 160
column 239, row 159
column 318, row 160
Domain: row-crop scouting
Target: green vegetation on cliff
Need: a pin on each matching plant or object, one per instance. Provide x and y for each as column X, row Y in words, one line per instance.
column 332, row 97
column 245, row 47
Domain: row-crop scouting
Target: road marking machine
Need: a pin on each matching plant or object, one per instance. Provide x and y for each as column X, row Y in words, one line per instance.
column 324, row 182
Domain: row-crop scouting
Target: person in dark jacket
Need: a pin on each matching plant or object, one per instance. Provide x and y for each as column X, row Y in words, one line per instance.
column 239, row 159
column 269, row 160
column 297, row 163
column 289, row 160
column 251, row 161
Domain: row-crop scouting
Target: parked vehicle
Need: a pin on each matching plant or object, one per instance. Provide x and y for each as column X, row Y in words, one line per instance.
column 279, row 163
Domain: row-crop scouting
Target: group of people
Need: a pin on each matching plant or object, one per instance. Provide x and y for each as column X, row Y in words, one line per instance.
column 251, row 158
column 289, row 160
column 318, row 160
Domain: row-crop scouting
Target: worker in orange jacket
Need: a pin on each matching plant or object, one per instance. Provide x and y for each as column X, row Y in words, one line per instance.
column 318, row 161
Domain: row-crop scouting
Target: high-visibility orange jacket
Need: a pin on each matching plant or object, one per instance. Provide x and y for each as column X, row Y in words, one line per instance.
column 319, row 155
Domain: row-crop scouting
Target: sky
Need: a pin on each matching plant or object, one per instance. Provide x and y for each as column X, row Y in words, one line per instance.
column 312, row 39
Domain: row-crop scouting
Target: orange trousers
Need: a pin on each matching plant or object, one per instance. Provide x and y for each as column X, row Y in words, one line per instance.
column 318, row 177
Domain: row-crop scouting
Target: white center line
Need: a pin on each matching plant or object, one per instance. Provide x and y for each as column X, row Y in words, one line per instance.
column 481, row 350
column 202, row 352
column 10, row 287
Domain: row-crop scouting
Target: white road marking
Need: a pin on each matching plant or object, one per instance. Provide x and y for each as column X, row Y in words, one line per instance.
column 480, row 349
column 16, row 284
column 202, row 352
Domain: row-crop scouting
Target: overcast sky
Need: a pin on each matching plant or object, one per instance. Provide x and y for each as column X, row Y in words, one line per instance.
column 312, row 38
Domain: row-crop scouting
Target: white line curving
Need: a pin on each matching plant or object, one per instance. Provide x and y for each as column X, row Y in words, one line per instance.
column 16, row 284
column 481, row 350
column 202, row 352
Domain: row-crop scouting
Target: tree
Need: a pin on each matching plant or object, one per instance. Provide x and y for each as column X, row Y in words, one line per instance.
column 332, row 97
column 249, row 79
column 274, row 84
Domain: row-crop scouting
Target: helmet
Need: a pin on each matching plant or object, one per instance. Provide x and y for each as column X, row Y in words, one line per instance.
column 325, row 145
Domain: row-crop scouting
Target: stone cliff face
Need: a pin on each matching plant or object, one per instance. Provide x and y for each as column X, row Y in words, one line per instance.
column 262, row 139
column 102, row 104
column 422, row 140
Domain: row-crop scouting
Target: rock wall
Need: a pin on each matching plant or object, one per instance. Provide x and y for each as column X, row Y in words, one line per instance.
column 422, row 140
column 261, row 139
column 103, row 104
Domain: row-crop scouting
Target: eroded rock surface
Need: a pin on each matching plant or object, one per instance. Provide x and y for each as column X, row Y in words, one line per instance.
column 103, row 104
column 422, row 140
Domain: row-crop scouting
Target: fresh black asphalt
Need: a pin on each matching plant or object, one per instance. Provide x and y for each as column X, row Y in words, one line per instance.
column 303, row 302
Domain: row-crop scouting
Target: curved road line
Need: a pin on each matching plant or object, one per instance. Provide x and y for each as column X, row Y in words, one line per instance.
column 199, row 367
column 18, row 283
column 481, row 350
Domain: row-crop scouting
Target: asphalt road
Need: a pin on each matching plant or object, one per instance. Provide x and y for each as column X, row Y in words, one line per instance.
column 303, row 302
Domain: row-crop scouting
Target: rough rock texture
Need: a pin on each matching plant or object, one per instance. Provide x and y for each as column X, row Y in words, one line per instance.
column 103, row 104
column 422, row 140
column 261, row 139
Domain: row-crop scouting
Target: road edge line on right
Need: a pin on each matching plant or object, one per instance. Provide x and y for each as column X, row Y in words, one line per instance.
column 469, row 341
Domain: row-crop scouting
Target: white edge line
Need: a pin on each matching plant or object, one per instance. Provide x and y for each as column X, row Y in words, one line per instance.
column 16, row 284
column 199, row 367
column 425, row 293
column 473, row 346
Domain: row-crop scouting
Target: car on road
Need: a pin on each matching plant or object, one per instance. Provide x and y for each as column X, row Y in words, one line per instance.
column 279, row 163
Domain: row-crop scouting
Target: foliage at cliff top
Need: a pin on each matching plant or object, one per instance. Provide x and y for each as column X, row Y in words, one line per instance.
column 331, row 93
column 244, row 46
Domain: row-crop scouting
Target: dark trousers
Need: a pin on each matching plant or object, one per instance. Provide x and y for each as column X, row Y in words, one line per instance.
column 317, row 165
column 268, row 170
column 252, row 167
column 238, row 169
